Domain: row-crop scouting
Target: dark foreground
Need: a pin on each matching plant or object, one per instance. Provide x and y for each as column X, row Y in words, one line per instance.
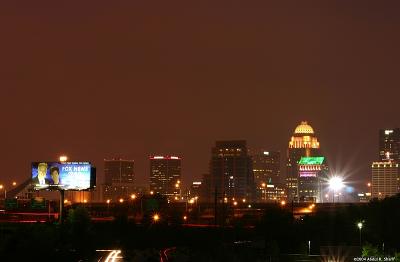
column 326, row 235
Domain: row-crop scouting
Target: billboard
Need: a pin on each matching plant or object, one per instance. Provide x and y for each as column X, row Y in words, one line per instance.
column 63, row 175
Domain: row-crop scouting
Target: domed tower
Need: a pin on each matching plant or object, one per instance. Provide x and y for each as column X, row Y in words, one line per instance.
column 303, row 143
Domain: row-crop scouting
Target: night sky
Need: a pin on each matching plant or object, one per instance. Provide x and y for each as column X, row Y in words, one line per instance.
column 106, row 79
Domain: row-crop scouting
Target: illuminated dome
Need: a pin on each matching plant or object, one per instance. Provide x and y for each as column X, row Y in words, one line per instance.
column 304, row 128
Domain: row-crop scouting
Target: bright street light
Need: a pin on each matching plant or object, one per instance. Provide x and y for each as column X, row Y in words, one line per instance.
column 63, row 158
column 335, row 184
column 156, row 217
column 360, row 226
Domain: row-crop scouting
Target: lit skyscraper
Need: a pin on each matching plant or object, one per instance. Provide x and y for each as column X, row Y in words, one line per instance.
column 231, row 172
column 386, row 173
column 389, row 144
column 165, row 175
column 119, row 178
column 312, row 175
column 303, row 143
column 385, row 179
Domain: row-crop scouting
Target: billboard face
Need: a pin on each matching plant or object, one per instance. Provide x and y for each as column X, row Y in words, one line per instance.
column 62, row 175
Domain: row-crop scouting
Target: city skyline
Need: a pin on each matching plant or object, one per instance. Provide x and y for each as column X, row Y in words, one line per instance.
column 136, row 79
column 142, row 179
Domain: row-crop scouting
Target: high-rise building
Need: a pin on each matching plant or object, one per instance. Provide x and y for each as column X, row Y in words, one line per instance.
column 385, row 179
column 195, row 189
column 313, row 174
column 266, row 170
column 386, row 173
column 231, row 172
column 119, row 178
column 165, row 175
column 389, row 144
column 303, row 143
column 266, row 166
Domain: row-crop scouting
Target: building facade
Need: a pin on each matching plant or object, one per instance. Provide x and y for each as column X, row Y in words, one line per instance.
column 266, row 166
column 165, row 175
column 303, row 143
column 267, row 173
column 313, row 174
column 195, row 189
column 231, row 172
column 385, row 179
column 389, row 144
column 119, row 178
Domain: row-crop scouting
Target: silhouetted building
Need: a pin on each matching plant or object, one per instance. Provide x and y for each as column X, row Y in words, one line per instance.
column 266, row 166
column 313, row 174
column 195, row 189
column 303, row 143
column 207, row 188
column 385, row 179
column 165, row 175
column 389, row 144
column 119, row 178
column 231, row 172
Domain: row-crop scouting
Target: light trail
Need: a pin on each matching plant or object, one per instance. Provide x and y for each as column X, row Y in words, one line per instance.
column 113, row 255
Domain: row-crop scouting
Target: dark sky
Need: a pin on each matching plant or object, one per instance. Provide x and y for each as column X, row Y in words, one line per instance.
column 131, row 78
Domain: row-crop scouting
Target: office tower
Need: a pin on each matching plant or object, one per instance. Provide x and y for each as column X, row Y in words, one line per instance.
column 195, row 189
column 389, row 145
column 231, row 172
column 165, row 175
column 266, row 166
column 303, row 143
column 313, row 174
column 119, row 178
column 266, row 170
column 385, row 179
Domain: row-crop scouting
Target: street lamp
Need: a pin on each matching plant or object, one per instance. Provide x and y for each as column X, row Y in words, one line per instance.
column 108, row 205
column 156, row 217
column 264, row 192
column 5, row 191
column 335, row 183
column 63, row 158
column 360, row 226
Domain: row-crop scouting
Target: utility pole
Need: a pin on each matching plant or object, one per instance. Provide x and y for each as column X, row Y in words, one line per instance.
column 61, row 206
column 215, row 206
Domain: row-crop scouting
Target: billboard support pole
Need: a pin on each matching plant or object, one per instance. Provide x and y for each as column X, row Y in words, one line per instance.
column 61, row 206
